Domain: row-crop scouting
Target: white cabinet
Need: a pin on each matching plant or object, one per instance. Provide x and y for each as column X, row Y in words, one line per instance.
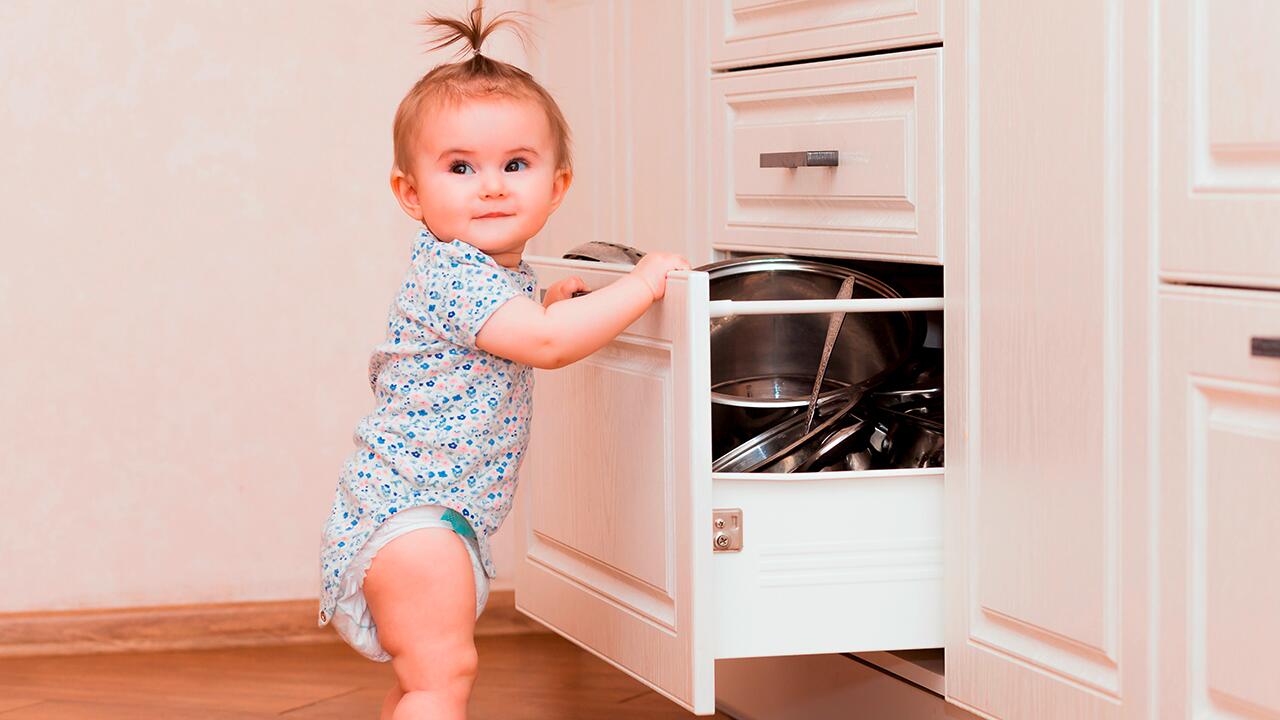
column 1216, row 212
column 615, row 512
column 1106, row 515
column 1219, row 504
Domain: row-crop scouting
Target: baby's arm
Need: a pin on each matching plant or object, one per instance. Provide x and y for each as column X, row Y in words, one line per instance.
column 569, row 330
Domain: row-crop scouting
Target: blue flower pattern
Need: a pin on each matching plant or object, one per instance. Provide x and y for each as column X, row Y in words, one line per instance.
column 452, row 421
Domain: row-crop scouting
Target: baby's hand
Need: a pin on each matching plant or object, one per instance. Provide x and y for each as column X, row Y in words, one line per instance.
column 563, row 290
column 653, row 269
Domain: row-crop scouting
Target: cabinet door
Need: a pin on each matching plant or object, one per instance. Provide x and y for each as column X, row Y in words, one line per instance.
column 613, row 522
column 1219, row 130
column 1048, row 291
column 1219, row 505
column 630, row 77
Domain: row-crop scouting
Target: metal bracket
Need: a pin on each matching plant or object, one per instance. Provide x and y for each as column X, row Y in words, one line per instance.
column 726, row 530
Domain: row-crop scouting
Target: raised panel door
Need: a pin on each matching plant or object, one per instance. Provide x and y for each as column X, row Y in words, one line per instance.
column 1048, row 290
column 1218, row 123
column 630, row 77
column 1220, row 494
column 613, row 517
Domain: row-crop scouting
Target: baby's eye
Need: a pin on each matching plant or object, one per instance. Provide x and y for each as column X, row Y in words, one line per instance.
column 516, row 165
column 461, row 168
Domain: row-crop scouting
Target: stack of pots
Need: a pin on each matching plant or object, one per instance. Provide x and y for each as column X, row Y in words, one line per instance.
column 880, row 405
column 881, row 400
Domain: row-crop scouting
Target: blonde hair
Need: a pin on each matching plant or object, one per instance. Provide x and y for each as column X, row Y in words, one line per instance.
column 478, row 77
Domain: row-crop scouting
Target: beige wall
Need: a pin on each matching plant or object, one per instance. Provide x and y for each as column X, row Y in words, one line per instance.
column 199, row 250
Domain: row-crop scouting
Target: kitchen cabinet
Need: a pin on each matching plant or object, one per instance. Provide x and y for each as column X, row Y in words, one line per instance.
column 615, row 516
column 1220, row 490
column 1078, row 175
column 1217, row 214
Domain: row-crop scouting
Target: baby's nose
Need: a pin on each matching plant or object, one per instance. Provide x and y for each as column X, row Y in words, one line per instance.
column 493, row 184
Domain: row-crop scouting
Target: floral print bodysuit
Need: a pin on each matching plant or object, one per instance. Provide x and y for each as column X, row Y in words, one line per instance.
column 452, row 421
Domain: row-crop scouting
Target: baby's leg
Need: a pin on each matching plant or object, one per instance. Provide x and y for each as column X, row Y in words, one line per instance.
column 421, row 593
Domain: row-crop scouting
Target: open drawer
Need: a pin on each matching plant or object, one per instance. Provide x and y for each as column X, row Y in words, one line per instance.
column 615, row 519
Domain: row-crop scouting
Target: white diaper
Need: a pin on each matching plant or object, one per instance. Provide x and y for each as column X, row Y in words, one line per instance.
column 351, row 618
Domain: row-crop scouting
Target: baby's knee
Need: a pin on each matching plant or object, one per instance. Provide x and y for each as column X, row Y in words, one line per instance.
column 437, row 668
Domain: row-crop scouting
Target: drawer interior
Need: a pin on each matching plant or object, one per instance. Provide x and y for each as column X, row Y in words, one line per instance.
column 841, row 560
column 882, row 369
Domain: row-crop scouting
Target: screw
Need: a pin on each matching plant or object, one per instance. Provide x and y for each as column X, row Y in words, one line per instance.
column 722, row 541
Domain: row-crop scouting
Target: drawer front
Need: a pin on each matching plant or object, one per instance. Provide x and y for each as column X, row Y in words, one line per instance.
column 1219, row 493
column 749, row 32
column 879, row 202
column 844, row 562
column 1219, row 120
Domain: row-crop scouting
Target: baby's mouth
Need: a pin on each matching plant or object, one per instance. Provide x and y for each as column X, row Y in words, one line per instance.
column 494, row 215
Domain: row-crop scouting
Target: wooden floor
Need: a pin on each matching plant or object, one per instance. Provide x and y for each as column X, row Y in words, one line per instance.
column 522, row 677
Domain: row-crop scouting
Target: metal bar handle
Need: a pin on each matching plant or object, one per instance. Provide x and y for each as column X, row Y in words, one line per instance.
column 804, row 158
column 1268, row 347
column 725, row 308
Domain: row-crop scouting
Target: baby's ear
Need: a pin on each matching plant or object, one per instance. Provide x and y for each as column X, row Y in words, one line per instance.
column 406, row 194
column 560, row 186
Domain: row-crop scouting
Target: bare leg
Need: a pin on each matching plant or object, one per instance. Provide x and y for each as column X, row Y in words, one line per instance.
column 389, row 704
column 421, row 593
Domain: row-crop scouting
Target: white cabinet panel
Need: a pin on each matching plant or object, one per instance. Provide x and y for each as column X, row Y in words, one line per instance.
column 1219, row 130
column 747, row 32
column 880, row 202
column 630, row 77
column 1049, row 291
column 614, row 518
column 1220, row 490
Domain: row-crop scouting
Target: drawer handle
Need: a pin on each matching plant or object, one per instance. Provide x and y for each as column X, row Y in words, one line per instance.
column 807, row 158
column 1268, row 347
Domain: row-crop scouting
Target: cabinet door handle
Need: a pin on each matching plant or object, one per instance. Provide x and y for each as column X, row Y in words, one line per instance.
column 1268, row 347
column 806, row 158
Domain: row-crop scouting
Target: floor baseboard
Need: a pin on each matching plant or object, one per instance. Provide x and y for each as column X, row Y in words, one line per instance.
column 195, row 627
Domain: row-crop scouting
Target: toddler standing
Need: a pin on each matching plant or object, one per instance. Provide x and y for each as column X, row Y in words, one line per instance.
column 481, row 160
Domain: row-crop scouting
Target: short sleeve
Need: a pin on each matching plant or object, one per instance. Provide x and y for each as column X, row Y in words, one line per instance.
column 461, row 289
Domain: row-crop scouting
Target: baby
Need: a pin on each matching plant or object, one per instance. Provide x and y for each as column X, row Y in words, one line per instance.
column 481, row 160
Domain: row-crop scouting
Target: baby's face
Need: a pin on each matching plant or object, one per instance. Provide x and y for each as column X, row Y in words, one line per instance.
column 485, row 173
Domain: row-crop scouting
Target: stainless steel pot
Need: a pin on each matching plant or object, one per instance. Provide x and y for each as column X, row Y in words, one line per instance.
column 908, row 434
column 762, row 366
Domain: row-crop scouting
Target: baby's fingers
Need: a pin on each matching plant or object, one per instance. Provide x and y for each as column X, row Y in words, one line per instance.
column 574, row 287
